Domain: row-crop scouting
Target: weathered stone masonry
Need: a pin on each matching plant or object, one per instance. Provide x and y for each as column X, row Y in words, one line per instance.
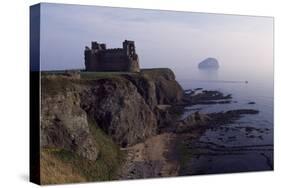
column 98, row 58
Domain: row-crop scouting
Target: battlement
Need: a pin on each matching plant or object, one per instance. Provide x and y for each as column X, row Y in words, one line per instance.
column 99, row 58
column 112, row 50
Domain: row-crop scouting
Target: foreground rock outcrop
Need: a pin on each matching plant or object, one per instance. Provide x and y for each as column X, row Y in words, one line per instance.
column 63, row 123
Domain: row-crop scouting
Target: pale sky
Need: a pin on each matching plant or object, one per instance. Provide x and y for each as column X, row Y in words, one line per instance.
column 178, row 40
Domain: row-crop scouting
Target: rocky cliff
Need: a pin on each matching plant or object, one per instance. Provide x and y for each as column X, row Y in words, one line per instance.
column 128, row 107
column 119, row 110
column 63, row 123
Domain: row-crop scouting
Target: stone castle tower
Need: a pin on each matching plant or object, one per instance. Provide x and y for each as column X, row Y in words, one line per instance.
column 98, row 58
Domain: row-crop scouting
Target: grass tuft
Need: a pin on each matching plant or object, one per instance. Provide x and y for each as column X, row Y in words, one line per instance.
column 62, row 166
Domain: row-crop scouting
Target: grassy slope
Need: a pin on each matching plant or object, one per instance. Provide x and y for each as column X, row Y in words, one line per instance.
column 61, row 166
column 154, row 72
column 97, row 75
column 54, row 170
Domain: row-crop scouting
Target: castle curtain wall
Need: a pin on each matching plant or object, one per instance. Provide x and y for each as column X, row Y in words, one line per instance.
column 98, row 58
column 114, row 60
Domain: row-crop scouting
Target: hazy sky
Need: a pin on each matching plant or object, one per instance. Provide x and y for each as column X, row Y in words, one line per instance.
column 178, row 40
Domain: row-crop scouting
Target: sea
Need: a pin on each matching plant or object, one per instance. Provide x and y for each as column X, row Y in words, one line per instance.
column 245, row 145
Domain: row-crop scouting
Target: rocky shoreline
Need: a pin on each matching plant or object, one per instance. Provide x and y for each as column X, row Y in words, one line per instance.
column 186, row 131
column 138, row 114
column 193, row 148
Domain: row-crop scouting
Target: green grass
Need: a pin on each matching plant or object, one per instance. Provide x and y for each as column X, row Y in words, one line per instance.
column 87, row 74
column 148, row 70
column 110, row 158
column 53, row 82
column 54, row 170
column 52, row 86
column 101, row 75
column 156, row 72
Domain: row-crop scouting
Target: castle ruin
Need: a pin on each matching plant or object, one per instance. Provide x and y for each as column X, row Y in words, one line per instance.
column 98, row 58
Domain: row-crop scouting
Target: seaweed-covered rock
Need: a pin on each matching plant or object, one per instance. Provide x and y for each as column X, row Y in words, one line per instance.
column 200, row 121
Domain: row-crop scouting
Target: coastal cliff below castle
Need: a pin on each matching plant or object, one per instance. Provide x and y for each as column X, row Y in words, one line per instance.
column 98, row 126
column 89, row 116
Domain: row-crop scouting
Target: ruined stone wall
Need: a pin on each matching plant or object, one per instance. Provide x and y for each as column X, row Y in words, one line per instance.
column 134, row 66
column 115, row 59
column 91, row 61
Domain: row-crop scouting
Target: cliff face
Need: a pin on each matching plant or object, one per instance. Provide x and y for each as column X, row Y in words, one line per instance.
column 157, row 86
column 63, row 123
column 167, row 89
column 119, row 110
column 124, row 106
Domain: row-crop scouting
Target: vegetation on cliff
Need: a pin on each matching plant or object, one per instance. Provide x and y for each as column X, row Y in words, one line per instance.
column 60, row 165
column 87, row 117
column 98, row 126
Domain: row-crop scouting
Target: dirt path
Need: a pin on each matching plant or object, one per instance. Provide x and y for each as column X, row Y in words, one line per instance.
column 153, row 158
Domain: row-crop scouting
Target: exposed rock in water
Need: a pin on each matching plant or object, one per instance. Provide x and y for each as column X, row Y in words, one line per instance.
column 209, row 63
column 194, row 120
column 193, row 97
column 197, row 121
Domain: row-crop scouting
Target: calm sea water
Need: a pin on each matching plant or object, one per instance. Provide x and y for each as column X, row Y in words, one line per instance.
column 247, row 144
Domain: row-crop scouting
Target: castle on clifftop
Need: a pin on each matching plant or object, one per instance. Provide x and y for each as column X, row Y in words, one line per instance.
column 98, row 58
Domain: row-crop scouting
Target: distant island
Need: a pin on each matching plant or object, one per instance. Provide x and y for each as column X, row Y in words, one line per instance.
column 209, row 63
